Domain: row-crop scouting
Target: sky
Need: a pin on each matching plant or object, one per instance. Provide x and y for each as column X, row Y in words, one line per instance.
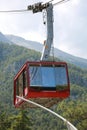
column 70, row 20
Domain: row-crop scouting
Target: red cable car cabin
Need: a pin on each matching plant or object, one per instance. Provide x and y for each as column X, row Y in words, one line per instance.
column 42, row 81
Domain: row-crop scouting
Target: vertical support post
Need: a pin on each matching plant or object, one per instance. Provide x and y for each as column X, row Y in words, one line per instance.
column 49, row 41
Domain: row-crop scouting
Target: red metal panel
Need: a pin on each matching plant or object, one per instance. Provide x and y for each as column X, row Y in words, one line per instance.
column 48, row 94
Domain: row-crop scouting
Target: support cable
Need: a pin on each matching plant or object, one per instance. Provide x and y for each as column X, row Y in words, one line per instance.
column 60, row 2
column 53, row 57
column 25, row 10
column 14, row 11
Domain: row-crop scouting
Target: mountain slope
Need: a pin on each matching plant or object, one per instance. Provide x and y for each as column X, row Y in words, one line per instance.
column 71, row 59
column 4, row 39
column 58, row 53
column 25, row 43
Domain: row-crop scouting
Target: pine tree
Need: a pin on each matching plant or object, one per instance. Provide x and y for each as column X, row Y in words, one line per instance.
column 21, row 121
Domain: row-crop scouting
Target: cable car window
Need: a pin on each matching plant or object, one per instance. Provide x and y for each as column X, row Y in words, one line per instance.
column 42, row 77
column 61, row 78
column 35, row 76
column 21, row 84
column 48, row 77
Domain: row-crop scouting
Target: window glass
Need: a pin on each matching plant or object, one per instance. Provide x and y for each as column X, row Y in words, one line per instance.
column 42, row 76
column 21, row 84
column 35, row 76
column 48, row 77
column 60, row 77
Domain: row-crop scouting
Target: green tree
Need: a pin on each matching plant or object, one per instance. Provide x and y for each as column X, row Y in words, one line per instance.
column 75, row 112
column 20, row 121
column 4, row 122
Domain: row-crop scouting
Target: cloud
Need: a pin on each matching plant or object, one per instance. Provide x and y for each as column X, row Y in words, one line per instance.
column 22, row 22
column 70, row 28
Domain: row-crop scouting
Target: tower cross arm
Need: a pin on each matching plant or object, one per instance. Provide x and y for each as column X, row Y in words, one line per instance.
column 38, row 7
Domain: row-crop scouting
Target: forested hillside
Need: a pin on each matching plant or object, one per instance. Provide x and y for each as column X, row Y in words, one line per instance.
column 74, row 108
